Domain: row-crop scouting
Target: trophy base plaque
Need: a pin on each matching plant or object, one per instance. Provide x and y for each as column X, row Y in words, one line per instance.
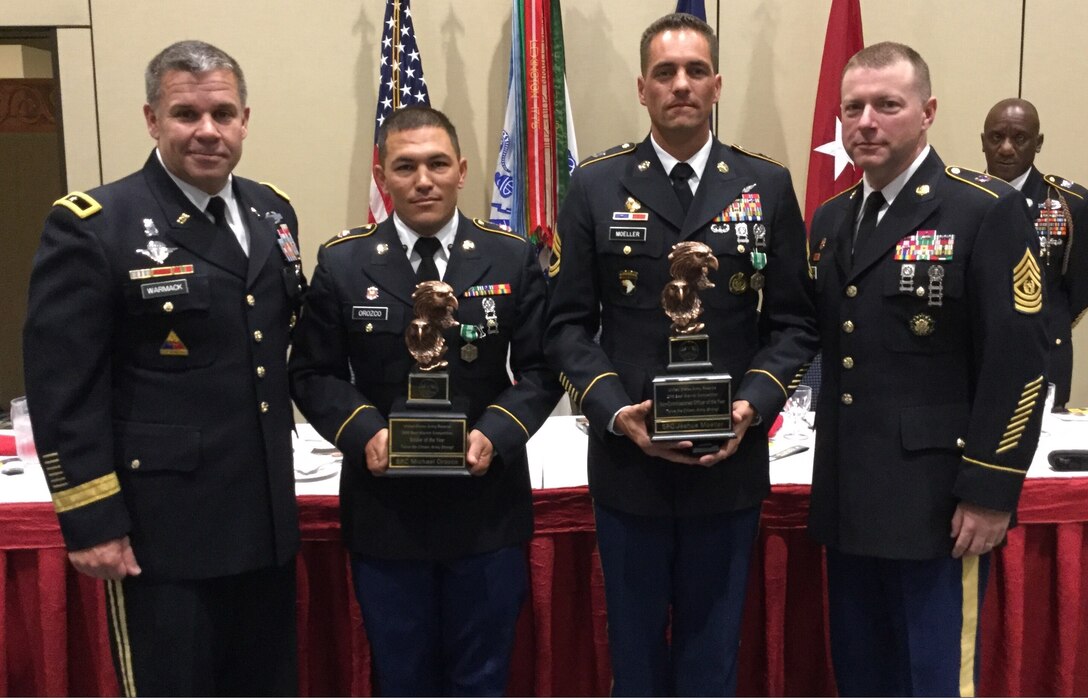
column 695, row 407
column 428, row 433
column 689, row 353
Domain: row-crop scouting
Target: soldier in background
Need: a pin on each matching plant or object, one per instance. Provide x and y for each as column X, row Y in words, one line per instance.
column 1010, row 140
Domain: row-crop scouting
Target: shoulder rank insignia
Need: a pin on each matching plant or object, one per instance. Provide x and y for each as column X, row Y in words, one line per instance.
column 83, row 205
column 1027, row 285
column 1065, row 185
column 352, row 234
column 610, row 153
column 279, row 192
column 849, row 193
column 979, row 180
column 754, row 154
column 497, row 230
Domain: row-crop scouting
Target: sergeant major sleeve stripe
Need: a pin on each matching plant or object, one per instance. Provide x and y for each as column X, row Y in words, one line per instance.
column 87, row 493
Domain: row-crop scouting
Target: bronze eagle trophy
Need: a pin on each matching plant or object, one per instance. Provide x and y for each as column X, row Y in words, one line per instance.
column 689, row 263
column 434, row 303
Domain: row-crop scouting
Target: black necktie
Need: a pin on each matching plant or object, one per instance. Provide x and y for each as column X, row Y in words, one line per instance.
column 428, row 270
column 218, row 208
column 681, row 173
column 868, row 221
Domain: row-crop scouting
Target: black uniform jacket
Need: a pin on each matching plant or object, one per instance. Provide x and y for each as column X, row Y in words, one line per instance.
column 608, row 273
column 1060, row 210
column 350, row 362
column 934, row 353
column 156, row 375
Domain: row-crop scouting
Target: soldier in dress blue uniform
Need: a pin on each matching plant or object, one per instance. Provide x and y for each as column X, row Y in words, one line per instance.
column 439, row 563
column 930, row 300
column 675, row 530
column 1010, row 141
column 161, row 308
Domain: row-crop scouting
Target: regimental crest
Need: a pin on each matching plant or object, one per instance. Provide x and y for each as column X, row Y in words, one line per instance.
column 156, row 251
column 1027, row 285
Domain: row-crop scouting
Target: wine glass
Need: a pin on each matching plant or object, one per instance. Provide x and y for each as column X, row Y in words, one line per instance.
column 796, row 409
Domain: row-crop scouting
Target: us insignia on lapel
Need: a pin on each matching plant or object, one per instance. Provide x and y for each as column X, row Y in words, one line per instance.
column 1027, row 286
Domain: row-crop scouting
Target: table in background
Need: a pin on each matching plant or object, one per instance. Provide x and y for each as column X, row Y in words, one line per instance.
column 53, row 638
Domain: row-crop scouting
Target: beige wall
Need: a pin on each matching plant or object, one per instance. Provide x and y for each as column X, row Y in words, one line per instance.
column 312, row 76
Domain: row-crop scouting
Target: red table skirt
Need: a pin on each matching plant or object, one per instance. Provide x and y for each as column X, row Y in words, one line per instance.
column 1035, row 619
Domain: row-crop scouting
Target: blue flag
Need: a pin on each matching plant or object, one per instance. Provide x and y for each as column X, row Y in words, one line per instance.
column 692, row 7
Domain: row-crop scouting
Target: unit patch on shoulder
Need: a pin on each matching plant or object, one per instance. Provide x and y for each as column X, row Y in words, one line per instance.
column 279, row 192
column 352, row 234
column 496, row 229
column 83, row 205
column 1027, row 285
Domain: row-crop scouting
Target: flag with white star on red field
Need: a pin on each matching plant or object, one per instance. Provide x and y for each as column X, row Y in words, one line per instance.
column 830, row 169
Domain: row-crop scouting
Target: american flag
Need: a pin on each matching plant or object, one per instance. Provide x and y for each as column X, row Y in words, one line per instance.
column 401, row 85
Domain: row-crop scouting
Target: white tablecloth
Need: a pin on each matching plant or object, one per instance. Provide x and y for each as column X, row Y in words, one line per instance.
column 557, row 458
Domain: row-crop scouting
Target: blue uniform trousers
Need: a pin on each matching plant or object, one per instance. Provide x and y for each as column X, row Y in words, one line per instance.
column 905, row 627
column 697, row 568
column 442, row 627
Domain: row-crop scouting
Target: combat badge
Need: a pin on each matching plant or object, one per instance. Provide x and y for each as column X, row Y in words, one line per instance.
column 628, row 277
column 922, row 325
column 1027, row 287
column 738, row 283
column 156, row 251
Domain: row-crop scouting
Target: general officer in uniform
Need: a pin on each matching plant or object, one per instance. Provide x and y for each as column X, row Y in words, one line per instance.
column 439, row 563
column 675, row 530
column 1010, row 141
column 160, row 313
column 930, row 303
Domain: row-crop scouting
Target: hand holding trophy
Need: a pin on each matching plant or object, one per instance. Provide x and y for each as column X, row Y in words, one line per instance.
column 691, row 402
column 426, row 430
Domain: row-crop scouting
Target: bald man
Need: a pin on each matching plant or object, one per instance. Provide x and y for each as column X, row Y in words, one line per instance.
column 1011, row 139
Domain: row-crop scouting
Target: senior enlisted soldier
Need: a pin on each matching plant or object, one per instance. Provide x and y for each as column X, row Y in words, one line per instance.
column 438, row 563
column 155, row 345
column 674, row 529
column 930, row 303
column 1059, row 207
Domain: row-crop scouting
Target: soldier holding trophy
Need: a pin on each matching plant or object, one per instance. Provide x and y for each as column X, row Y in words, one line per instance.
column 400, row 360
column 650, row 224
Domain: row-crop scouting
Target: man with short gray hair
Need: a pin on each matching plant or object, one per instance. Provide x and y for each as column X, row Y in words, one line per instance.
column 926, row 276
column 166, row 437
